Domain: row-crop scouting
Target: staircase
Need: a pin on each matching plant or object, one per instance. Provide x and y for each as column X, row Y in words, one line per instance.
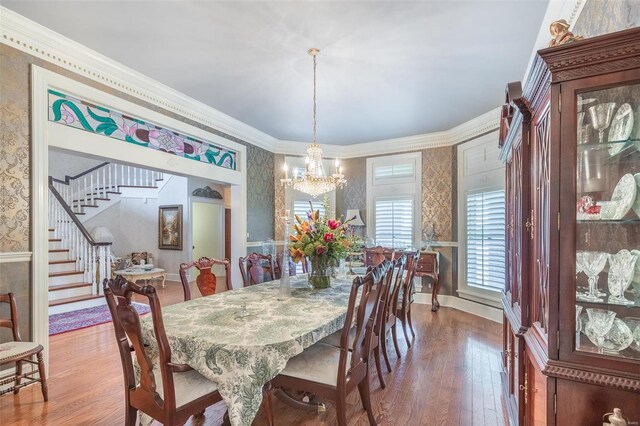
column 67, row 284
column 77, row 263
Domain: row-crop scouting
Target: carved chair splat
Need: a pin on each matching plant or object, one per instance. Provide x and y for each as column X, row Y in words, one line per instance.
column 254, row 267
column 161, row 402
column 206, row 279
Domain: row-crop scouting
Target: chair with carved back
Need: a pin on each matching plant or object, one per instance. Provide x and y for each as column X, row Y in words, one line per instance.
column 206, row 279
column 169, row 393
column 279, row 265
column 334, row 339
column 254, row 267
column 388, row 316
column 332, row 372
column 18, row 352
column 375, row 255
column 406, row 298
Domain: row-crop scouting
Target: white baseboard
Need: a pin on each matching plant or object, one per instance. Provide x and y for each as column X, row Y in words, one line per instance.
column 172, row 277
column 483, row 311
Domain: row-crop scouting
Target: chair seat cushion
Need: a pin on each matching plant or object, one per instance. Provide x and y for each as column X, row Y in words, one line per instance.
column 189, row 386
column 334, row 339
column 317, row 363
column 15, row 350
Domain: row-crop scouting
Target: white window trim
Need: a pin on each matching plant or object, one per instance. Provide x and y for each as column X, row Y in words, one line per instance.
column 395, row 187
column 491, row 179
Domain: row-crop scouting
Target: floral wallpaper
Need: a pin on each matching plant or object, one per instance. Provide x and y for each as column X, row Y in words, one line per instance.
column 260, row 194
column 279, row 195
column 601, row 17
column 14, row 154
column 69, row 111
column 439, row 178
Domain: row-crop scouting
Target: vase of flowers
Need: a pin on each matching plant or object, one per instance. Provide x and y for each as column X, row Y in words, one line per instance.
column 323, row 241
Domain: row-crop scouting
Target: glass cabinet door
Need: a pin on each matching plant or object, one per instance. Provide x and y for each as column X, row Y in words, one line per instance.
column 607, row 293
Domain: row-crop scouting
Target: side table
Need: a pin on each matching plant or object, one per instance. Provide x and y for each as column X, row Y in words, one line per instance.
column 429, row 266
column 138, row 274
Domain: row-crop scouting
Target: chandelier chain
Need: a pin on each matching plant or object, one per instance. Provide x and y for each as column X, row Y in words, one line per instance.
column 314, row 98
column 314, row 181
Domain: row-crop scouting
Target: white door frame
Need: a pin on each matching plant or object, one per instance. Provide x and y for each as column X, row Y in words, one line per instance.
column 46, row 134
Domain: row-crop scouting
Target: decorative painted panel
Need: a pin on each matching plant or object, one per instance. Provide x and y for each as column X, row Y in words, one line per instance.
column 74, row 112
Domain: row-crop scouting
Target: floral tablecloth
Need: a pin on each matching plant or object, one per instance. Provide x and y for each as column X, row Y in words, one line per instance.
column 241, row 339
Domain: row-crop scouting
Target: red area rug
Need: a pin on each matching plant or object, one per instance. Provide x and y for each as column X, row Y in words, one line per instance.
column 83, row 318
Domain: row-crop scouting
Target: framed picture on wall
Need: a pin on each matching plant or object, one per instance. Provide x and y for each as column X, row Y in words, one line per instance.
column 170, row 227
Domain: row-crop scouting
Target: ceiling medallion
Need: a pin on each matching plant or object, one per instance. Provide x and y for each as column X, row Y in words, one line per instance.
column 313, row 180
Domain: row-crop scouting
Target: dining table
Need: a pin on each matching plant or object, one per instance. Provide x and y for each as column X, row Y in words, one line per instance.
column 243, row 338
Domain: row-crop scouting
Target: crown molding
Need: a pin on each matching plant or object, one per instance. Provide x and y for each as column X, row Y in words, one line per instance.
column 476, row 127
column 39, row 41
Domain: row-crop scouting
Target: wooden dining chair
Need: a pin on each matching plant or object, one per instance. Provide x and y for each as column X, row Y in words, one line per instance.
column 332, row 372
column 253, row 268
column 375, row 255
column 18, row 352
column 168, row 392
column 335, row 338
column 406, row 300
column 388, row 316
column 206, row 279
column 292, row 266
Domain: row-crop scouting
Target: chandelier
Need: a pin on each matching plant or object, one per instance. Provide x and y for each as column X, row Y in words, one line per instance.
column 314, row 181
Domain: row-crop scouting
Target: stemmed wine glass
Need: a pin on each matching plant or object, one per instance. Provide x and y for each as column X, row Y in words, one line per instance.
column 601, row 116
column 593, row 263
column 578, row 325
column 621, row 273
column 600, row 323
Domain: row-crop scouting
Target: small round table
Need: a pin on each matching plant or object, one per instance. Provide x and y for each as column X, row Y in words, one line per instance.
column 137, row 274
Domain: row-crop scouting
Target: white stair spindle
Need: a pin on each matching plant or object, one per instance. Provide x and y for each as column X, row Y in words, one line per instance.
column 128, row 175
column 91, row 190
column 86, row 200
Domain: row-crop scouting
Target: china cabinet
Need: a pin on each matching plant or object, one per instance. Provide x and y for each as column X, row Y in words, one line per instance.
column 571, row 145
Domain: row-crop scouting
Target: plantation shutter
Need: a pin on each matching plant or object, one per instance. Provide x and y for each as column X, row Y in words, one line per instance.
column 393, row 171
column 394, row 222
column 486, row 239
column 301, row 208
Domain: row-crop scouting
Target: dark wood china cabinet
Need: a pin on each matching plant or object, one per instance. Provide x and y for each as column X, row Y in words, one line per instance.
column 571, row 147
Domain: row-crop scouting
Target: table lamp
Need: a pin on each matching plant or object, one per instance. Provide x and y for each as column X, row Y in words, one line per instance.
column 101, row 234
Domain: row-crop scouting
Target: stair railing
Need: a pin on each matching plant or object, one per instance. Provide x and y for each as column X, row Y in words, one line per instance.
column 98, row 182
column 91, row 256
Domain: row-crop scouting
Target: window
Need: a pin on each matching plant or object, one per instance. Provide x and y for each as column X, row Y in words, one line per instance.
column 393, row 171
column 394, row 222
column 394, row 200
column 302, row 207
column 486, row 239
column 481, row 221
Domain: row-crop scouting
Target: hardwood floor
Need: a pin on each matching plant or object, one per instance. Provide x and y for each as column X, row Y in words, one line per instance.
column 450, row 376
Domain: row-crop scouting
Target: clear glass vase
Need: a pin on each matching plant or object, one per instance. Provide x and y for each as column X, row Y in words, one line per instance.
column 320, row 274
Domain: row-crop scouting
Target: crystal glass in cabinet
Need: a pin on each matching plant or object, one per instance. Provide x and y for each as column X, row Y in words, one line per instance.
column 608, row 222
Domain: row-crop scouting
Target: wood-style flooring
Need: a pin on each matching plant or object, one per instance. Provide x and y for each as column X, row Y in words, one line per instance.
column 450, row 376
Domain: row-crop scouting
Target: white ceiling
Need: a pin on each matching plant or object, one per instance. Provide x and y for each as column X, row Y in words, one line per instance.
column 386, row 70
